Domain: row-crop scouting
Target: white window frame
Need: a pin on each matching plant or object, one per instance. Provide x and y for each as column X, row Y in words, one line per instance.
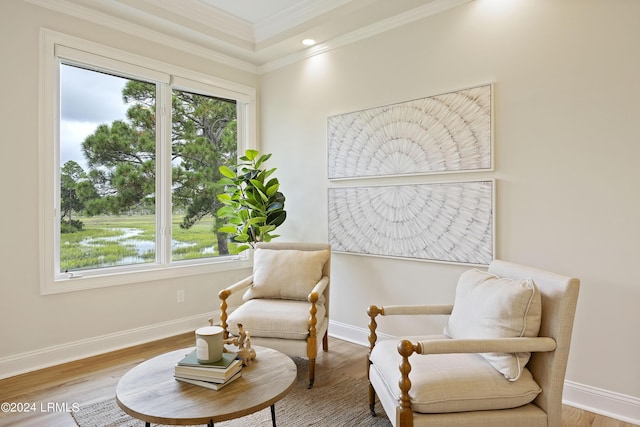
column 57, row 47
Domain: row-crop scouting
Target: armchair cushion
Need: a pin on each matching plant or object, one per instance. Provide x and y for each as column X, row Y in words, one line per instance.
column 443, row 383
column 286, row 274
column 269, row 318
column 488, row 306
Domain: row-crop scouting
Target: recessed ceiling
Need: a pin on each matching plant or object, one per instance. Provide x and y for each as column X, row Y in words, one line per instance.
column 252, row 11
column 254, row 35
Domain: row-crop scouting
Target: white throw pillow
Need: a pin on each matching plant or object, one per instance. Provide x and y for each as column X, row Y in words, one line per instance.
column 488, row 306
column 285, row 274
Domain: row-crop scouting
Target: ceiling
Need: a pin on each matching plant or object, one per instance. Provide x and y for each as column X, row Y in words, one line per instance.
column 251, row 34
column 253, row 11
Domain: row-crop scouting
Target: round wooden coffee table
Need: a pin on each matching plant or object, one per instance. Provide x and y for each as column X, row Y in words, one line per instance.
column 150, row 393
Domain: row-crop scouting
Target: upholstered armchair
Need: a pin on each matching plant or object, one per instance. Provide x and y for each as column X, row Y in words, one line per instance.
column 285, row 301
column 501, row 361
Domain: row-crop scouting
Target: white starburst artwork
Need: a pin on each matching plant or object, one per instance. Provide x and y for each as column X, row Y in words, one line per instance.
column 444, row 133
column 448, row 222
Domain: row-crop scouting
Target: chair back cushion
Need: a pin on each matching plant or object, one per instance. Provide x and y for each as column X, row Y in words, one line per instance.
column 286, row 274
column 488, row 306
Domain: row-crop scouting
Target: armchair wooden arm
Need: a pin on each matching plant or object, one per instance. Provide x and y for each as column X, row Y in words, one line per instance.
column 411, row 310
column 493, row 345
column 226, row 293
column 318, row 289
column 313, row 297
column 395, row 310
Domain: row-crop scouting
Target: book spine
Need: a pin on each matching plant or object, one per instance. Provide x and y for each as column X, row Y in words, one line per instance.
column 209, row 384
column 205, row 374
column 200, row 378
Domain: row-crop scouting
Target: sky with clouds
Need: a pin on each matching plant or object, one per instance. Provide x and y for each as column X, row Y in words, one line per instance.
column 88, row 99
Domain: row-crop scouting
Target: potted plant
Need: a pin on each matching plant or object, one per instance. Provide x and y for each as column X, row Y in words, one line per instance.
column 253, row 205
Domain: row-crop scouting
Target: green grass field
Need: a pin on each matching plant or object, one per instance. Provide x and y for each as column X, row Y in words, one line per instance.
column 120, row 240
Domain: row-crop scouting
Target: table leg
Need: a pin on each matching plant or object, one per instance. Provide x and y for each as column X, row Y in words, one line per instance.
column 273, row 415
column 210, row 424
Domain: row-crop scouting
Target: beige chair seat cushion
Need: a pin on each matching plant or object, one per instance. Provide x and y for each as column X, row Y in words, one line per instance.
column 442, row 383
column 269, row 318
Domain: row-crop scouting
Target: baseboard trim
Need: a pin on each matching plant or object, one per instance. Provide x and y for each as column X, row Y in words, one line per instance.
column 351, row 333
column 603, row 402
column 598, row 401
column 55, row 355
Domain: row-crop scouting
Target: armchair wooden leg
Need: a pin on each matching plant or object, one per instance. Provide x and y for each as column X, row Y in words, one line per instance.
column 312, row 351
column 325, row 341
column 373, row 311
column 372, row 392
column 312, row 372
column 372, row 401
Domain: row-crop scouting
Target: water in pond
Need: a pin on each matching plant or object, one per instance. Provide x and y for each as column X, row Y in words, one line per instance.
column 130, row 237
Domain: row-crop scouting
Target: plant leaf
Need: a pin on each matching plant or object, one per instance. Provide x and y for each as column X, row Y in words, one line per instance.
column 273, row 189
column 262, row 159
column 225, row 211
column 257, row 220
column 226, row 181
column 238, row 249
column 275, row 206
column 267, row 228
column 251, row 154
column 241, row 238
column 230, row 229
column 277, row 219
column 226, row 171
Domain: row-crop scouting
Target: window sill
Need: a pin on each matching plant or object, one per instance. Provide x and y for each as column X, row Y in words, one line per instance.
column 140, row 275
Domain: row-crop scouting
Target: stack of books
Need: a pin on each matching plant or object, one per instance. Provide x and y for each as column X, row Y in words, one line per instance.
column 210, row 375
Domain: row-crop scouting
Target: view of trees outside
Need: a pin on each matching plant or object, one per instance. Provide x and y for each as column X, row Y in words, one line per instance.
column 108, row 170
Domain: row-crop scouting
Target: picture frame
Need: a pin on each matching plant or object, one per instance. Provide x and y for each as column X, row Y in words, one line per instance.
column 446, row 133
column 450, row 222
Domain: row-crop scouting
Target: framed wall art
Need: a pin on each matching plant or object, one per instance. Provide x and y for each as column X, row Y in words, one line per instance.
column 451, row 132
column 448, row 222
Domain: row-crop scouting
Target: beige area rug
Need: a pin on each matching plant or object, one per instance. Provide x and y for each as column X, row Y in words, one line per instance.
column 335, row 400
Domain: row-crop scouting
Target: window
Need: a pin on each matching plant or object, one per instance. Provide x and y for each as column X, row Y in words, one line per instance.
column 130, row 154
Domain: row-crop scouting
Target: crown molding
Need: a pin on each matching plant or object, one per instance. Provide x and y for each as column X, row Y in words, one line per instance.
column 408, row 17
column 81, row 12
column 211, row 16
column 292, row 16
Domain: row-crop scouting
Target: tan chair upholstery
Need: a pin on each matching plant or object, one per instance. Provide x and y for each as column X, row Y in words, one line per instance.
column 285, row 301
column 472, row 375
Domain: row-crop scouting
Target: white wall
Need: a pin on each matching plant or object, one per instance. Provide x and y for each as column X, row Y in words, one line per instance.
column 37, row 329
column 567, row 150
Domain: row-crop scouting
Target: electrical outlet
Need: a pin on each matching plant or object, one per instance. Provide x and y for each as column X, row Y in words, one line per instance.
column 180, row 296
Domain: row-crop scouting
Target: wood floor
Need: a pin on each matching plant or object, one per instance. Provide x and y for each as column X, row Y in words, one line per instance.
column 48, row 393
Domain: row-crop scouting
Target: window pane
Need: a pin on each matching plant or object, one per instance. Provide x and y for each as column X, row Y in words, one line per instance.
column 204, row 137
column 107, row 170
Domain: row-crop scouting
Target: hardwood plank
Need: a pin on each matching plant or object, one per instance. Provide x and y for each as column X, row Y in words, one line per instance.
column 95, row 378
